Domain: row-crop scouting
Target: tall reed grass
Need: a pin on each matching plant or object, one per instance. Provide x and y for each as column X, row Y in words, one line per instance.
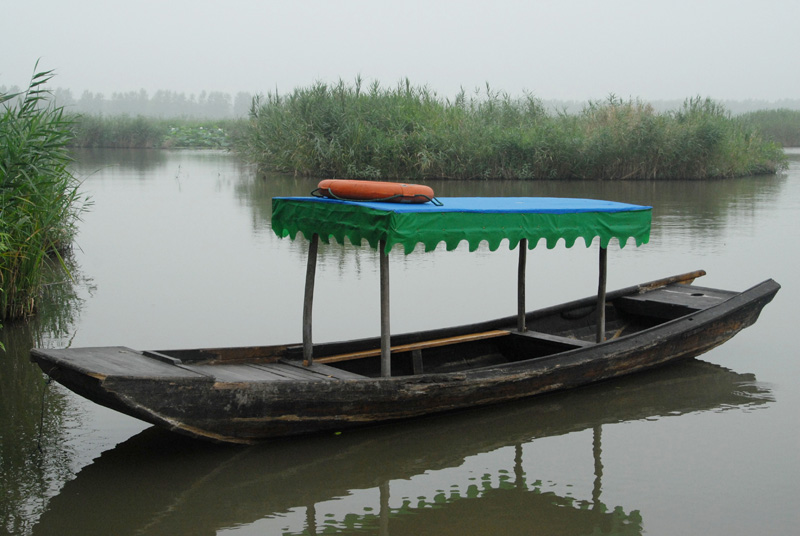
column 407, row 132
column 39, row 197
column 782, row 125
column 139, row 132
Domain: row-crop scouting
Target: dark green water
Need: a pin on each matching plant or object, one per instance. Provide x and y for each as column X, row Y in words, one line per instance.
column 177, row 251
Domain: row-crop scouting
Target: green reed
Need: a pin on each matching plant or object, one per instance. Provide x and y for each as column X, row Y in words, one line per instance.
column 39, row 198
column 782, row 125
column 408, row 132
column 139, row 132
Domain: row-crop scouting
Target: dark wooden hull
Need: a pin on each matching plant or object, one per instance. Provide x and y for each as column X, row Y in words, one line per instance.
column 249, row 394
column 239, row 487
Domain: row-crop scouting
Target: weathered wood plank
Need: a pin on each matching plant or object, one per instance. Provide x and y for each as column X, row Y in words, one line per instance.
column 162, row 357
column 416, row 361
column 116, row 361
column 324, row 370
column 266, row 372
column 288, row 372
column 315, row 372
column 547, row 337
column 239, row 373
column 673, row 301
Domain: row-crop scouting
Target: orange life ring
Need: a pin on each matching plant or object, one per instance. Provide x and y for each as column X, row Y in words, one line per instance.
column 395, row 192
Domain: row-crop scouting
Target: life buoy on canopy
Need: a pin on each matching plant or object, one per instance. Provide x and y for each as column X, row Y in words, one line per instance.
column 355, row 190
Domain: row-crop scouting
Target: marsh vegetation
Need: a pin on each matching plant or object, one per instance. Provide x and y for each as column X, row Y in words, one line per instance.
column 408, row 132
column 39, row 197
column 140, row 132
column 781, row 125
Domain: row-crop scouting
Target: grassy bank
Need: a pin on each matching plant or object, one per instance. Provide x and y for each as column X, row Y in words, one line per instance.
column 408, row 132
column 126, row 132
column 39, row 198
column 782, row 126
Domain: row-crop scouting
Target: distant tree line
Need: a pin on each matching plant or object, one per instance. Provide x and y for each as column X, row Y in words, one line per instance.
column 161, row 104
column 167, row 104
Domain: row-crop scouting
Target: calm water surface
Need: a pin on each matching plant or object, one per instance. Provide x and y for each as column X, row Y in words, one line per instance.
column 177, row 251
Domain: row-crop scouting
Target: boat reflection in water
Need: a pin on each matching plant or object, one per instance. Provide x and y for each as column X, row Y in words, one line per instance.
column 398, row 479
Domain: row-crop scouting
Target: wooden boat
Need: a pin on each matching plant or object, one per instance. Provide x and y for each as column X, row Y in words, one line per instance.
column 249, row 394
column 235, row 487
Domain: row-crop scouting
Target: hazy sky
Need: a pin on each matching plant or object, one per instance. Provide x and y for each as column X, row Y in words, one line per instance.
column 567, row 49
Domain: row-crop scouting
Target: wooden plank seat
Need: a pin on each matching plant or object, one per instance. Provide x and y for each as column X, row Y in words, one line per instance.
column 414, row 347
column 566, row 342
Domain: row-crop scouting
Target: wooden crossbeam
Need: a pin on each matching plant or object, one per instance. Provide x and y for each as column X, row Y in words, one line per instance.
column 557, row 339
column 414, row 346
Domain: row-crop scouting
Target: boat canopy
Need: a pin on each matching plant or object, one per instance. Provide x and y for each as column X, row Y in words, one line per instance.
column 522, row 221
column 455, row 219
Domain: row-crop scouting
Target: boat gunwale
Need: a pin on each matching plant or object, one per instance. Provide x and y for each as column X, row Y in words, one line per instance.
column 369, row 343
column 567, row 358
column 662, row 331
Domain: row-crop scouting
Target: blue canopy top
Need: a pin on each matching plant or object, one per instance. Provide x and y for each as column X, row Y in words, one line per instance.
column 490, row 205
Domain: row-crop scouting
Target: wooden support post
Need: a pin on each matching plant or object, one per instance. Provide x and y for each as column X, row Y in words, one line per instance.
column 308, row 300
column 386, row 347
column 416, row 361
column 523, row 252
column 601, row 295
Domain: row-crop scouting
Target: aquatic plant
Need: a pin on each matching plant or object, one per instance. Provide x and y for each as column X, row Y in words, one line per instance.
column 39, row 198
column 782, row 125
column 196, row 136
column 409, row 132
column 120, row 132
column 126, row 132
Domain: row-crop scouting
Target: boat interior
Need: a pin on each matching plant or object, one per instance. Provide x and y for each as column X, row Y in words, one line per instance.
column 548, row 331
